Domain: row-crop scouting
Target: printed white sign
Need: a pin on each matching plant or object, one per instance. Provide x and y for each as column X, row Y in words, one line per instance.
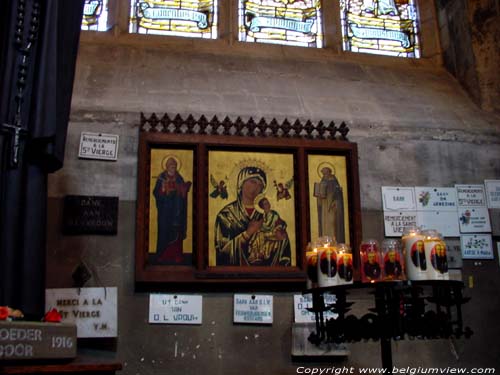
column 492, row 193
column 175, row 309
column 445, row 222
column 253, row 308
column 476, row 246
column 474, row 220
column 93, row 310
column 470, row 195
column 398, row 198
column 98, row 146
column 396, row 222
column 436, row 199
column 302, row 302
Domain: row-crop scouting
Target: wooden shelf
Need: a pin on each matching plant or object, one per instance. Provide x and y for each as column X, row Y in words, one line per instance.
column 80, row 365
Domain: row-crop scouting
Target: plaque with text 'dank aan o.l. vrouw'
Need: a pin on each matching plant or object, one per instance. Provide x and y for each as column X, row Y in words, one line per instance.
column 34, row 340
column 84, row 214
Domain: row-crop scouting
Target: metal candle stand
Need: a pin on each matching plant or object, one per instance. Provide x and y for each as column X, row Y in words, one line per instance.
column 399, row 312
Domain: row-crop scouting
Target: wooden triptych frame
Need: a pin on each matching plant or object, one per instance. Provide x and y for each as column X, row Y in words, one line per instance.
column 238, row 202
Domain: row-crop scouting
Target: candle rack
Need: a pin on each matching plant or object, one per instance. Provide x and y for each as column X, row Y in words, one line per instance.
column 414, row 309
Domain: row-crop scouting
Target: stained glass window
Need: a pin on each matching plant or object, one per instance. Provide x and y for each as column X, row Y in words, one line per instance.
column 95, row 15
column 385, row 27
column 292, row 22
column 191, row 18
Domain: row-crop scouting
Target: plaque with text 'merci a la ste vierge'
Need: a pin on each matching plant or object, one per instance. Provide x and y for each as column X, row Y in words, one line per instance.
column 84, row 214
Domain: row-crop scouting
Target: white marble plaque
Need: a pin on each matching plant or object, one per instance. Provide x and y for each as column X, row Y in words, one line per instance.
column 470, row 195
column 476, row 246
column 98, row 146
column 395, row 222
column 398, row 198
column 445, row 222
column 492, row 193
column 175, row 309
column 302, row 302
column 253, row 308
column 436, row 199
column 93, row 310
column 474, row 220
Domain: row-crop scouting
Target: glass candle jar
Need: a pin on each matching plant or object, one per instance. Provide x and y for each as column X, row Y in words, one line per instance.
column 414, row 254
column 371, row 261
column 327, row 262
column 344, row 262
column 312, row 266
column 393, row 260
column 435, row 255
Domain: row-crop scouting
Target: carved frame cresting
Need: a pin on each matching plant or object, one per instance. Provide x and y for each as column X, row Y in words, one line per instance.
column 237, row 201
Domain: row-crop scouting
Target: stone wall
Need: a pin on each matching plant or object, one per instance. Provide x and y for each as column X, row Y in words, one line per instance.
column 470, row 34
column 414, row 125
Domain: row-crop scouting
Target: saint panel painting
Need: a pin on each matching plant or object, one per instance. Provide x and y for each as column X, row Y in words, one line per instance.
column 170, row 207
column 329, row 211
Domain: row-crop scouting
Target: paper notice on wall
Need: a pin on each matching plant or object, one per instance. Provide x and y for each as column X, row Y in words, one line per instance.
column 470, row 195
column 436, row 199
column 445, row 222
column 476, row 246
column 474, row 220
column 492, row 193
column 398, row 198
column 395, row 222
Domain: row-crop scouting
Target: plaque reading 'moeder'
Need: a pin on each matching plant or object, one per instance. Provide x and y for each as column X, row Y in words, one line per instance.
column 35, row 340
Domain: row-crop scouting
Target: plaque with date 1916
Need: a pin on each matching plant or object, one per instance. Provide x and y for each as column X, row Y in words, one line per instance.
column 84, row 214
column 35, row 340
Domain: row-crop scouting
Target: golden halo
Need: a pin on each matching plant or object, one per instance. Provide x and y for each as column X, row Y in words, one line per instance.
column 164, row 162
column 256, row 201
column 323, row 165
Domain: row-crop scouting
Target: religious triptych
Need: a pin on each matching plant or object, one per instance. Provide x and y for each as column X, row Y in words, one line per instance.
column 221, row 207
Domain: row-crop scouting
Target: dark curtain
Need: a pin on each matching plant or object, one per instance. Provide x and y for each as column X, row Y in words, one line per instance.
column 44, row 115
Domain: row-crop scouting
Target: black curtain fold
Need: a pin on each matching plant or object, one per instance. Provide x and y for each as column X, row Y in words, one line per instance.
column 44, row 115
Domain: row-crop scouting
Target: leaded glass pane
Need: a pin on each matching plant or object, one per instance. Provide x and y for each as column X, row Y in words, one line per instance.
column 385, row 27
column 292, row 22
column 190, row 18
column 95, row 15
